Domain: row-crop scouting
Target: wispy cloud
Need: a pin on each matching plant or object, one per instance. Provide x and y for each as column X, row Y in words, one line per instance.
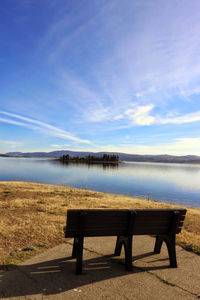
column 55, row 146
column 10, row 144
column 141, row 94
column 13, row 122
column 59, row 146
column 69, row 26
column 157, row 60
column 40, row 127
column 148, row 66
column 187, row 118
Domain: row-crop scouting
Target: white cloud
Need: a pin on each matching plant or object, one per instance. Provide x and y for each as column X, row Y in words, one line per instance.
column 141, row 94
column 187, row 118
column 140, row 115
column 97, row 115
column 186, row 92
column 60, row 146
column 6, row 145
column 55, row 146
column 118, row 117
column 40, row 126
column 13, row 122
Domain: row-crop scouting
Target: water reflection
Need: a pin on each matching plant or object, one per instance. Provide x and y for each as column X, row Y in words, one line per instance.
column 89, row 165
column 184, row 176
column 176, row 183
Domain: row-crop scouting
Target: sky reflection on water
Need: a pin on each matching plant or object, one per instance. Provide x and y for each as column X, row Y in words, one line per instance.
column 174, row 183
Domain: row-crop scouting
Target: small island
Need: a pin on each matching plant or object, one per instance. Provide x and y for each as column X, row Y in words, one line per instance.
column 91, row 159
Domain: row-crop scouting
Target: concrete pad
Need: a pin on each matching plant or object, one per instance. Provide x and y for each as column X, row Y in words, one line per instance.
column 51, row 274
column 186, row 276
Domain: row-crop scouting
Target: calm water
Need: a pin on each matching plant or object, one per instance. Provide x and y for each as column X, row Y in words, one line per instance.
column 174, row 183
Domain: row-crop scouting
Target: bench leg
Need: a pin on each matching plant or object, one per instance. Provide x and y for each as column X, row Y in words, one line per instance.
column 78, row 251
column 74, row 247
column 171, row 247
column 158, row 244
column 118, row 246
column 128, row 253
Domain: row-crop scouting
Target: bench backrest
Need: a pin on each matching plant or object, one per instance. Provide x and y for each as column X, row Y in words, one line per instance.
column 105, row 222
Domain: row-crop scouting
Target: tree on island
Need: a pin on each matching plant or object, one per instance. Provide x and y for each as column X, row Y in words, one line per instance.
column 106, row 158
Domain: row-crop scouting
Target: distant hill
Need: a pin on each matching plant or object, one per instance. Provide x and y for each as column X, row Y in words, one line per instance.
column 122, row 156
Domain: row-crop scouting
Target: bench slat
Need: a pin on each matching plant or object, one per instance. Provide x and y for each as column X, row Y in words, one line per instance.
column 113, row 222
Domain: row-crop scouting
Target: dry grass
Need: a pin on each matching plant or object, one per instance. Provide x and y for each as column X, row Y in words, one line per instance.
column 32, row 216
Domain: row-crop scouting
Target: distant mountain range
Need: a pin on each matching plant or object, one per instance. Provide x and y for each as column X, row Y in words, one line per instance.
column 122, row 156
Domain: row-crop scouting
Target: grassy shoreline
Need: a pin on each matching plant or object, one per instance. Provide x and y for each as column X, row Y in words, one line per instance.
column 33, row 216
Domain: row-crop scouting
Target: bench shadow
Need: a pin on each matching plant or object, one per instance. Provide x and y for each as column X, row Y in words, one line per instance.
column 57, row 276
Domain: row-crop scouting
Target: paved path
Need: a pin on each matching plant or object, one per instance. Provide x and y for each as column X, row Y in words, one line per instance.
column 50, row 275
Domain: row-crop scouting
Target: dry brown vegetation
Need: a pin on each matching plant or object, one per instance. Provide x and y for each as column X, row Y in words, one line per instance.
column 32, row 216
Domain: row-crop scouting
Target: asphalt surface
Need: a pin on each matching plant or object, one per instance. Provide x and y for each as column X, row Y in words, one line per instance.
column 51, row 275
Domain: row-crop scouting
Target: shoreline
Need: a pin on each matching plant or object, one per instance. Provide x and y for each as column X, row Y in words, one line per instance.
column 33, row 216
column 143, row 198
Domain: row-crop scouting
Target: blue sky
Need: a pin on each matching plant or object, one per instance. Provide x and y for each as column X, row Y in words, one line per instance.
column 100, row 75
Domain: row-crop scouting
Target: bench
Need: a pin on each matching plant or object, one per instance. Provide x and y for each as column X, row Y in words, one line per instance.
column 164, row 224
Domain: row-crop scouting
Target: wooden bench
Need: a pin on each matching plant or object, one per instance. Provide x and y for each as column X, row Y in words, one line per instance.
column 163, row 223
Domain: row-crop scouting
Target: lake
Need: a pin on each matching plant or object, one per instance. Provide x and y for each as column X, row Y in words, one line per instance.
column 174, row 183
